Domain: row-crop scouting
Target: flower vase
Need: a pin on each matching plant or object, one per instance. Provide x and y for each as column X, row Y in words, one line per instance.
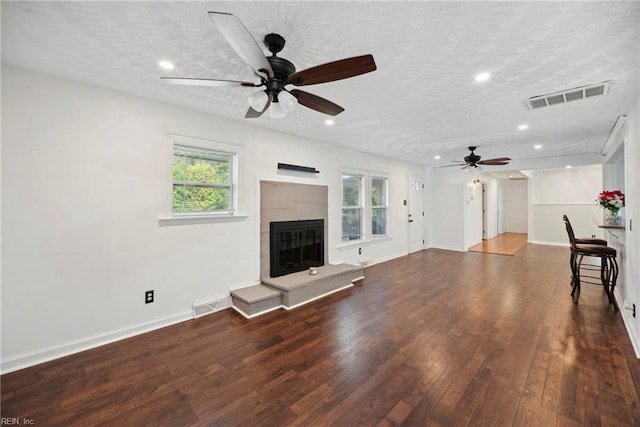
column 612, row 217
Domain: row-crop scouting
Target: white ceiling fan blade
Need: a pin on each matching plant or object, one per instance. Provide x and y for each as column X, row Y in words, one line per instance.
column 242, row 42
column 206, row 82
column 447, row 166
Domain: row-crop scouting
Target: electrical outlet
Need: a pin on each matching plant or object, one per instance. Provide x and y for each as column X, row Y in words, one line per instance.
column 148, row 297
column 359, row 251
column 593, row 236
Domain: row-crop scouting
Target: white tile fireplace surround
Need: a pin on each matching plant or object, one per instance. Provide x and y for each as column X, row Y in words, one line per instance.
column 284, row 201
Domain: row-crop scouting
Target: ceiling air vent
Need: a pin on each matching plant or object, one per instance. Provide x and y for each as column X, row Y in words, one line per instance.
column 568, row 95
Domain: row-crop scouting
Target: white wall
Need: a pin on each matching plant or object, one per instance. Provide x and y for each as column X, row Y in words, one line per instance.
column 85, row 175
column 627, row 139
column 446, row 209
column 567, row 186
column 632, row 233
column 556, row 192
column 515, row 206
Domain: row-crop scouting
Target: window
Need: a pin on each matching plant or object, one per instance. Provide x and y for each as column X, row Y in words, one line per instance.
column 202, row 179
column 379, row 206
column 365, row 200
column 352, row 207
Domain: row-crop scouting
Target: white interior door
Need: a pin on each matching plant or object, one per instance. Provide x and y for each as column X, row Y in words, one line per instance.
column 415, row 215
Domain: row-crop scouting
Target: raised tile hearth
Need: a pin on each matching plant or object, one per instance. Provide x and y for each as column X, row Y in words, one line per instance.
column 294, row 290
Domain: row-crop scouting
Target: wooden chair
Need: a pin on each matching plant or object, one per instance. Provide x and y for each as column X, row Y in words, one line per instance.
column 596, row 248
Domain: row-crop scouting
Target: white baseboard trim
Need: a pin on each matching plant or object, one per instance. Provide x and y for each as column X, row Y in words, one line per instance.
column 635, row 342
column 55, row 352
column 542, row 242
column 251, row 316
column 389, row 258
column 448, row 248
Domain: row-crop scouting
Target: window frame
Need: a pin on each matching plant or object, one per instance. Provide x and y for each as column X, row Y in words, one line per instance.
column 366, row 206
column 384, row 207
column 233, row 152
column 360, row 207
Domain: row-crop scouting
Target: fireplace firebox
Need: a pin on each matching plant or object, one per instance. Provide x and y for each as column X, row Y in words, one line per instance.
column 296, row 246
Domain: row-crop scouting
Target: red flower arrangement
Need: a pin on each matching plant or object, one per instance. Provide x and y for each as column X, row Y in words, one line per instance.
column 611, row 200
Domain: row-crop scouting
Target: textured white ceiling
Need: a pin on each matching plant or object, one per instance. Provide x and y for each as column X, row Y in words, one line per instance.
column 421, row 101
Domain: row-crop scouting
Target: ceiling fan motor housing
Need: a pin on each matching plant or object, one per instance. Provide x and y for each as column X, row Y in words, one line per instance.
column 282, row 68
column 472, row 158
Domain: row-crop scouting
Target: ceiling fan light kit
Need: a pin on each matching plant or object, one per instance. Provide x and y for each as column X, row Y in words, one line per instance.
column 287, row 101
column 274, row 72
column 276, row 111
column 258, row 101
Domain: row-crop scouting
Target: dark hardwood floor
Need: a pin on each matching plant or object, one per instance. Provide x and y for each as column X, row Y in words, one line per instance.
column 434, row 338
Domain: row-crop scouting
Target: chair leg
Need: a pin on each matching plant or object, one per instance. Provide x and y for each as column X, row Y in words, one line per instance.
column 609, row 276
column 575, row 270
column 605, row 275
column 614, row 278
column 572, row 260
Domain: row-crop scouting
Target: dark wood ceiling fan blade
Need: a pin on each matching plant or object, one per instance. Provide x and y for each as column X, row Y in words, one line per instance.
column 241, row 40
column 499, row 159
column 495, row 162
column 206, row 82
column 332, row 71
column 253, row 114
column 317, row 103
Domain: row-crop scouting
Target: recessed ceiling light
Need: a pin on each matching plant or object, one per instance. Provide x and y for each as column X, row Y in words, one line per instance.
column 436, row 157
column 166, row 65
column 537, row 146
column 568, row 166
column 523, row 127
column 328, row 122
column 483, row 77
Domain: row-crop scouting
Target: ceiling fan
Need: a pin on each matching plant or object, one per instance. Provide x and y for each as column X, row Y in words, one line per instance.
column 274, row 72
column 473, row 161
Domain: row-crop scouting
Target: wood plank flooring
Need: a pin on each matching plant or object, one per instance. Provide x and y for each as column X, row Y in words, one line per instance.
column 502, row 244
column 436, row 338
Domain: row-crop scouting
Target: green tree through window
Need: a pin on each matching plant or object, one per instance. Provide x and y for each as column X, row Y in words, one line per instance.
column 352, row 207
column 201, row 180
column 379, row 206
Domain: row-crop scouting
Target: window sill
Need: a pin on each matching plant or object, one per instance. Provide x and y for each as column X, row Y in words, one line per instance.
column 356, row 243
column 199, row 219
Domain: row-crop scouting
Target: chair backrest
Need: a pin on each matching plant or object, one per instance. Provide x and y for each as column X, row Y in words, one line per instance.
column 572, row 237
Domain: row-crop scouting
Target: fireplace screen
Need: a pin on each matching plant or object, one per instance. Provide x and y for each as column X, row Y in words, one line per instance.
column 296, row 246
